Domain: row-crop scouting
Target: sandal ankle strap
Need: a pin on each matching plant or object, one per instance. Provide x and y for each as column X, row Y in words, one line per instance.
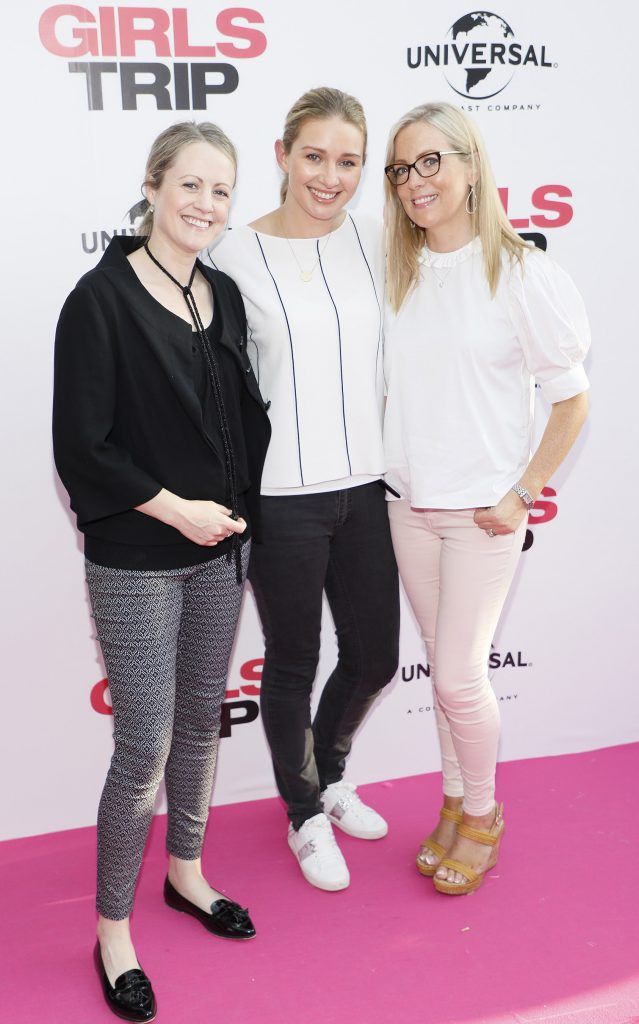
column 446, row 814
column 478, row 835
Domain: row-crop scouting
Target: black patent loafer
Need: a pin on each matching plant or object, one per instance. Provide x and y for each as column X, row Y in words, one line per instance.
column 131, row 998
column 227, row 919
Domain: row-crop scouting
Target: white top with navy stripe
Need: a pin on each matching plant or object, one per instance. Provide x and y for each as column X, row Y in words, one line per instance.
column 316, row 348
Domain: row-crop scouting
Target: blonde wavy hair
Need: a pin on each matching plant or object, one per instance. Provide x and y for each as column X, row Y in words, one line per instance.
column 405, row 240
column 165, row 150
column 320, row 104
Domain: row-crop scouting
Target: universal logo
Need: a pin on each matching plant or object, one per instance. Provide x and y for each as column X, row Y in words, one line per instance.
column 479, row 57
column 505, row 659
column 496, row 659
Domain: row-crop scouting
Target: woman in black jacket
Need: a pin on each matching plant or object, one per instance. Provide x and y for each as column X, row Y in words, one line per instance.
column 160, row 434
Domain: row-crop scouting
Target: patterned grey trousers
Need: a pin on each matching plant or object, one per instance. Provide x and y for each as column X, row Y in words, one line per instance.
column 166, row 638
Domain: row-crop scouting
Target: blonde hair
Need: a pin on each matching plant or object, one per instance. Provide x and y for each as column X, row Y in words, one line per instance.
column 404, row 240
column 320, row 104
column 165, row 150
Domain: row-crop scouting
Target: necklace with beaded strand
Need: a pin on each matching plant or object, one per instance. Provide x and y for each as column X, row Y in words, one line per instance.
column 216, row 387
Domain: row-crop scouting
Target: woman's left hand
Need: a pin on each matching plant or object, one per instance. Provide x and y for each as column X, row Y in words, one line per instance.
column 504, row 517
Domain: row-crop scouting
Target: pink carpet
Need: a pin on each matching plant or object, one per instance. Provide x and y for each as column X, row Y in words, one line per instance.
column 553, row 934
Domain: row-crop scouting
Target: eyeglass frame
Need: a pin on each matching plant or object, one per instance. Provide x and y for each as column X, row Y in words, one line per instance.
column 434, row 152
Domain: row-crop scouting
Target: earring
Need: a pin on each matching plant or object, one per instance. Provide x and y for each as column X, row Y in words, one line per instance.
column 149, row 206
column 471, row 200
column 412, row 224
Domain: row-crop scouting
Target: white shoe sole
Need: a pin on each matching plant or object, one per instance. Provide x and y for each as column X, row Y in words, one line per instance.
column 320, row 883
column 381, row 832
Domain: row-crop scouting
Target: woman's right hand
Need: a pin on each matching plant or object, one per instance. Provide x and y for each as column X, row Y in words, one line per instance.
column 203, row 522
column 206, row 522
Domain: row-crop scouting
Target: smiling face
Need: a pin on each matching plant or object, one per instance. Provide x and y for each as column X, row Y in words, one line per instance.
column 436, row 203
column 193, row 200
column 324, row 167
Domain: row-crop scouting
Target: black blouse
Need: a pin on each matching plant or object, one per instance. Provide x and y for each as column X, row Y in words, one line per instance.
column 232, row 389
column 134, row 412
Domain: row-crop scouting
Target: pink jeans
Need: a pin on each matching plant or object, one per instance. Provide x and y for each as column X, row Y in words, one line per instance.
column 456, row 578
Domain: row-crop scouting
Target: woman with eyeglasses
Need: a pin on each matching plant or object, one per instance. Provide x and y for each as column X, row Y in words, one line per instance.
column 477, row 316
column 311, row 275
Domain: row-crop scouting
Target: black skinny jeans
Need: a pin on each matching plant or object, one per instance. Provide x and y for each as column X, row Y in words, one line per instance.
column 338, row 542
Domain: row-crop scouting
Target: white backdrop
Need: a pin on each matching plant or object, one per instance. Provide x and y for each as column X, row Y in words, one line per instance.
column 559, row 129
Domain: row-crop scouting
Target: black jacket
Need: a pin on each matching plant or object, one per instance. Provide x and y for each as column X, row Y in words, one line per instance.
column 126, row 418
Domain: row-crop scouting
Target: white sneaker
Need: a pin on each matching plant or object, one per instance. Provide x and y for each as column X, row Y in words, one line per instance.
column 318, row 855
column 344, row 808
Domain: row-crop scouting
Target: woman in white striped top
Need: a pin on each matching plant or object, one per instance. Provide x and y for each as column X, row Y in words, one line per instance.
column 311, row 276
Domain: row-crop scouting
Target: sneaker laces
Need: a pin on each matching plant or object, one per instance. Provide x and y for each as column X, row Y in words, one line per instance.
column 346, row 794
column 323, row 831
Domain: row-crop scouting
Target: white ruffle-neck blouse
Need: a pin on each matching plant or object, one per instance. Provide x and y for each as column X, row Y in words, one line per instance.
column 461, row 368
column 316, row 349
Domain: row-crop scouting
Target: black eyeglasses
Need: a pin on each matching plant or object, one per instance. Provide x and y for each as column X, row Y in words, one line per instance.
column 426, row 166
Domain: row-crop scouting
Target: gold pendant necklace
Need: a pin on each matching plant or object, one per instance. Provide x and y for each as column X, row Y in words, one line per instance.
column 307, row 275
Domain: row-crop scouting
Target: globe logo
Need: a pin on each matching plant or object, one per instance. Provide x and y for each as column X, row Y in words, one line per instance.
column 481, row 45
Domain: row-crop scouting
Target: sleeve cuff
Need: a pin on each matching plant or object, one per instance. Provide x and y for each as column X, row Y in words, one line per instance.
column 566, row 385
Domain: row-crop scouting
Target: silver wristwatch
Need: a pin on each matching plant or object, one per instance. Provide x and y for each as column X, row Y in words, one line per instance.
column 525, row 495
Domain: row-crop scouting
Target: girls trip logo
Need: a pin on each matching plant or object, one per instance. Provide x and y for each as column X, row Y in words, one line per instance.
column 85, row 38
column 240, row 706
column 549, row 207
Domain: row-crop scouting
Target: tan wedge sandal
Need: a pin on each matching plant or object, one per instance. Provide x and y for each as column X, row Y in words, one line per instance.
column 429, row 845
column 474, row 878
